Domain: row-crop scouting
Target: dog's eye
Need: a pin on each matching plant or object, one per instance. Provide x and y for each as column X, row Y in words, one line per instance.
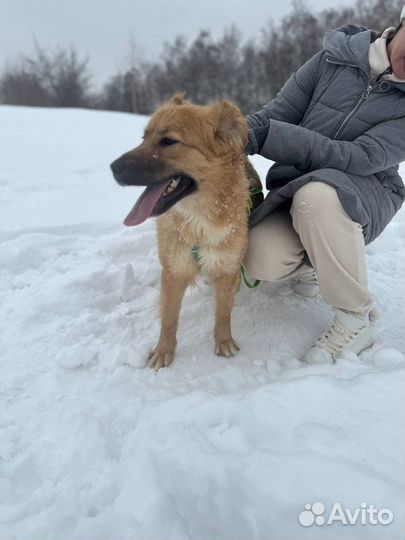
column 167, row 142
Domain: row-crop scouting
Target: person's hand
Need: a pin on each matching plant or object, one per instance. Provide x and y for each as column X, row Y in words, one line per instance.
column 256, row 138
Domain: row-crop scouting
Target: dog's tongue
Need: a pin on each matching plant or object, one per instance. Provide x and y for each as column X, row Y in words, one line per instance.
column 145, row 204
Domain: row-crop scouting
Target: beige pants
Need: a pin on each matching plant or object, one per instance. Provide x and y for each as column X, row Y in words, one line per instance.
column 318, row 225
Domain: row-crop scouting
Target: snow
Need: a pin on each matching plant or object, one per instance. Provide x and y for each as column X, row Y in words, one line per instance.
column 95, row 445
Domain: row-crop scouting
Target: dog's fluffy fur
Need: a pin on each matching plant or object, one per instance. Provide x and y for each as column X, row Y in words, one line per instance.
column 204, row 148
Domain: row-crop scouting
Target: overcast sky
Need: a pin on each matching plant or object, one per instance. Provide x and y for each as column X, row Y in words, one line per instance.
column 102, row 28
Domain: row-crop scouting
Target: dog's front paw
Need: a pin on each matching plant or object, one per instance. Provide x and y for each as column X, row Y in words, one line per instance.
column 160, row 357
column 226, row 347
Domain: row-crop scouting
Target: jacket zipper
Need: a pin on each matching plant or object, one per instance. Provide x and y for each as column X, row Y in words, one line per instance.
column 332, row 60
column 364, row 95
column 352, row 111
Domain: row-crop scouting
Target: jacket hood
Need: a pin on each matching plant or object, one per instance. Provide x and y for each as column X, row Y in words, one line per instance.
column 350, row 44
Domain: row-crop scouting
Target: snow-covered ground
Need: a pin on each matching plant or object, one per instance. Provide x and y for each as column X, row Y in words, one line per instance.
column 94, row 445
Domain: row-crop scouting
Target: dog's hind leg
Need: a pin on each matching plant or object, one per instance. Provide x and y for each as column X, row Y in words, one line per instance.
column 225, row 287
column 172, row 289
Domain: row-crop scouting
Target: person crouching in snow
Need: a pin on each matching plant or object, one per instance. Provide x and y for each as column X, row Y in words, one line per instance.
column 336, row 132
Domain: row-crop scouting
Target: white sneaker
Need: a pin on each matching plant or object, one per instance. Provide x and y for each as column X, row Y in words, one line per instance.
column 306, row 283
column 347, row 333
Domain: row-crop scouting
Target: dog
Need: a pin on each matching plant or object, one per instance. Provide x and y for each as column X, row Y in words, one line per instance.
column 197, row 180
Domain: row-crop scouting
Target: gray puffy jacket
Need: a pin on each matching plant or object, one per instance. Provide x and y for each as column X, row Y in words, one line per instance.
column 328, row 124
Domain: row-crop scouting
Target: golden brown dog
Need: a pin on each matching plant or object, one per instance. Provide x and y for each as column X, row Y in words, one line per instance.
column 193, row 164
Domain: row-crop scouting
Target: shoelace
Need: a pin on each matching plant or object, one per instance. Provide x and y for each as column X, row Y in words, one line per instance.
column 336, row 338
column 308, row 276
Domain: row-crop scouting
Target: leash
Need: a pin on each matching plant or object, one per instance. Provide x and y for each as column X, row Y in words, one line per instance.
column 245, row 280
column 195, row 250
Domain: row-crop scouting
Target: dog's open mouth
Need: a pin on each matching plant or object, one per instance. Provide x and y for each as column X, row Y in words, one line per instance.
column 157, row 199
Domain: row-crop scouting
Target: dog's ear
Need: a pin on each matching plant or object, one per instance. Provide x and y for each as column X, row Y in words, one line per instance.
column 178, row 99
column 231, row 126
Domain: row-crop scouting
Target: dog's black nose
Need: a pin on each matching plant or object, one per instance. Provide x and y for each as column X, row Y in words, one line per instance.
column 118, row 166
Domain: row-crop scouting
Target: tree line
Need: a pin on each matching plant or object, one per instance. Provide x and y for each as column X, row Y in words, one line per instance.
column 248, row 72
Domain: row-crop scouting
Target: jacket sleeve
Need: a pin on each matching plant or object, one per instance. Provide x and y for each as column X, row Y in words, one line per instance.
column 377, row 149
column 293, row 99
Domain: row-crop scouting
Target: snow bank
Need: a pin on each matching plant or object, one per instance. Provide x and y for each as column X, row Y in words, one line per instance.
column 93, row 445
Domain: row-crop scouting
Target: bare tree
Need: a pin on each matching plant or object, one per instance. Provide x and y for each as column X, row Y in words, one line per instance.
column 378, row 14
column 56, row 79
column 206, row 69
column 19, row 86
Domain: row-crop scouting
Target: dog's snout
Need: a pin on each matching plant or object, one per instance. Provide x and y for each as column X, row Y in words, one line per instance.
column 118, row 166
